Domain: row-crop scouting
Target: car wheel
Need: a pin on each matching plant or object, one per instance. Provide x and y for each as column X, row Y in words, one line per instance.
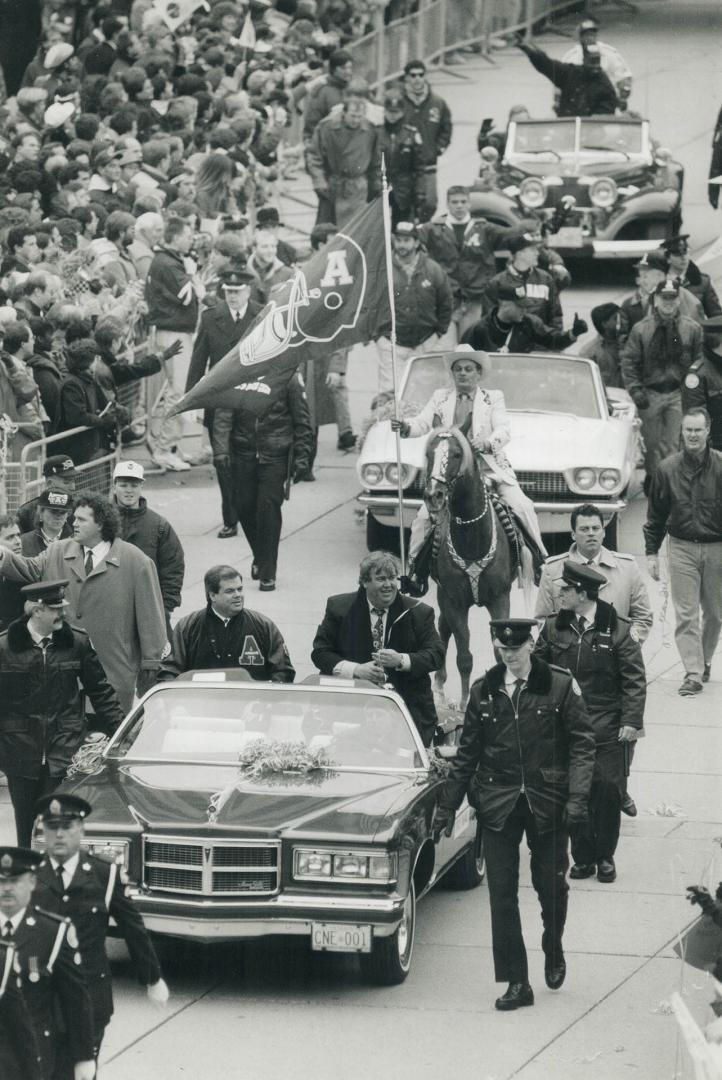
column 468, row 872
column 611, row 534
column 389, row 961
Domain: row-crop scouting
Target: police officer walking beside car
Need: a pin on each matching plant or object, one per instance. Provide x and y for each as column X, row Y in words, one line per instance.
column 526, row 758
column 601, row 649
column 702, row 384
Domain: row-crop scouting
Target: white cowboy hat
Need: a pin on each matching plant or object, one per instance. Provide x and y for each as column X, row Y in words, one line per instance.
column 465, row 352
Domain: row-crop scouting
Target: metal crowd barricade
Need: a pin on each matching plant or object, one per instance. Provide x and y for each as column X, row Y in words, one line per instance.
column 23, row 479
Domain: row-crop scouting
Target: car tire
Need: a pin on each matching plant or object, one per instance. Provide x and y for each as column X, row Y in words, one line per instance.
column 469, row 871
column 389, row 961
column 611, row 537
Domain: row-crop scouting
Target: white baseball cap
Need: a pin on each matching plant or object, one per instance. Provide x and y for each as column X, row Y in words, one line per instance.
column 128, row 470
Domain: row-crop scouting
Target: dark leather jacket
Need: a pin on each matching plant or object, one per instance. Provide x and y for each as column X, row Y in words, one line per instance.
column 606, row 660
column 545, row 748
column 285, row 428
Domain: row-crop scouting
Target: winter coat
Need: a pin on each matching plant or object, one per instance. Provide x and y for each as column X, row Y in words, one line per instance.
column 81, row 403
column 537, row 293
column 41, row 704
column 432, row 119
column 544, row 748
column 345, row 163
column 327, row 95
column 606, row 660
column 250, row 640
column 584, row 91
column 700, row 285
column 702, row 385
column 423, row 302
column 685, row 500
column 471, row 266
column 170, row 293
column 403, row 151
column 284, row 429
column 640, row 370
column 119, row 604
column 528, row 335
column 156, row 538
column 606, row 355
column 49, row 380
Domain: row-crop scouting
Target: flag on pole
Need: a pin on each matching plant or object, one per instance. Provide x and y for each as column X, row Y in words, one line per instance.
column 247, row 37
column 175, row 12
column 338, row 297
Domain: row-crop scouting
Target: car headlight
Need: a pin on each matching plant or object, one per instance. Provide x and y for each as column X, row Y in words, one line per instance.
column 603, row 193
column 609, row 478
column 372, row 475
column 585, row 478
column 313, row 865
column 532, row 193
column 392, row 474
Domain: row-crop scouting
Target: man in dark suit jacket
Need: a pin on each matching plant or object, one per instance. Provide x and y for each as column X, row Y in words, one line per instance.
column 379, row 635
column 221, row 327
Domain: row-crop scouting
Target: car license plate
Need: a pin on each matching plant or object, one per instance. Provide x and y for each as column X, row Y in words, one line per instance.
column 569, row 236
column 340, row 937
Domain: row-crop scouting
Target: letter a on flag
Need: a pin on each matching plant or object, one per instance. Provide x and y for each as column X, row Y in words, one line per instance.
column 338, row 297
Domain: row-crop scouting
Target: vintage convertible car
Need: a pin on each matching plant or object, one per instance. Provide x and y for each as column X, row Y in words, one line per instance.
column 627, row 192
column 214, row 851
column 572, row 441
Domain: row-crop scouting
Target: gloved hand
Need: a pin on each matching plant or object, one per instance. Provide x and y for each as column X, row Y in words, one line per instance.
column 442, row 822
column 300, row 472
column 222, row 461
column 173, row 349
column 640, row 399
column 696, row 894
column 158, row 993
column 575, row 813
column 579, row 326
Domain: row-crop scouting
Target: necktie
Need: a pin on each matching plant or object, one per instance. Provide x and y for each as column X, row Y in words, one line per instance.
column 518, row 683
column 377, row 630
column 582, row 623
column 44, row 642
column 88, row 562
column 462, row 411
column 59, row 876
column 8, row 928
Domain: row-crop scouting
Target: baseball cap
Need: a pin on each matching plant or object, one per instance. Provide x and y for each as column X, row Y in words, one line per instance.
column 669, row 288
column 55, row 499
column 57, row 113
column 267, row 215
column 128, row 470
column 57, row 55
column 59, row 465
column 405, row 228
column 523, row 240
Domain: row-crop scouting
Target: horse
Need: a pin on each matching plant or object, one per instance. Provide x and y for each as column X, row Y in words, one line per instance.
column 474, row 563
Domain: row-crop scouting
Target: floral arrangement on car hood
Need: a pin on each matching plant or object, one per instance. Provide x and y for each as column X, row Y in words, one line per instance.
column 266, row 756
column 88, row 758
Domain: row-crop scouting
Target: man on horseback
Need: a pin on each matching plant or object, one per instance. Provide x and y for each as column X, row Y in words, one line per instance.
column 481, row 416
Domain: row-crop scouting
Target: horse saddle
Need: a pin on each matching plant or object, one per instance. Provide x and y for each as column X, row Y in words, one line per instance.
column 518, row 535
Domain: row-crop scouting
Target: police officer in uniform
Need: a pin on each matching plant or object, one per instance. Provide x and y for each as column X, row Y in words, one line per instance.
column 528, row 749
column 90, row 890
column 49, row 966
column 225, row 634
column 59, row 474
column 19, row 1054
column 602, row 651
column 702, row 385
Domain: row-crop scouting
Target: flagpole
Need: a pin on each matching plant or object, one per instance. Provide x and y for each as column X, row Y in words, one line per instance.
column 392, row 337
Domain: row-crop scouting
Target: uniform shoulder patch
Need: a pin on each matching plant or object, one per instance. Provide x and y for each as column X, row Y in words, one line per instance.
column 691, row 380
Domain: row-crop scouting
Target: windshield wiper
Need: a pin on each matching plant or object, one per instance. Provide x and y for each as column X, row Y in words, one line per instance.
column 606, row 149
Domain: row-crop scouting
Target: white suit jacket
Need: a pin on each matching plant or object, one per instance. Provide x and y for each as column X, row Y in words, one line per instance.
column 489, row 422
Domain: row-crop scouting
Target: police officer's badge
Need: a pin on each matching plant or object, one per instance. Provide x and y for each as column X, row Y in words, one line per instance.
column 691, row 380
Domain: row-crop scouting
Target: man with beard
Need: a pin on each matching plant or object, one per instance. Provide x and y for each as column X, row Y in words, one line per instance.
column 703, row 382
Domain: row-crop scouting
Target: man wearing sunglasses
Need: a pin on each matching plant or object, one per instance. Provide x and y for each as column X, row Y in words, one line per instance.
column 431, row 116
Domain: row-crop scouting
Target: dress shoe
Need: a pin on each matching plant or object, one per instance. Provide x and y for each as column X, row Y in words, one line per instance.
column 629, row 806
column 706, row 673
column 690, row 685
column 269, row 585
column 227, row 532
column 518, row 994
column 347, row 441
column 582, row 870
column 606, row 871
column 555, row 974
column 255, row 573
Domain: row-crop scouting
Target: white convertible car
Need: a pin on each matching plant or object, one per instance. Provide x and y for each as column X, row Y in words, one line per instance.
column 572, row 442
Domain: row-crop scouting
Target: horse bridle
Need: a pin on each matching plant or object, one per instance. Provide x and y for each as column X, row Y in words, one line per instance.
column 443, row 463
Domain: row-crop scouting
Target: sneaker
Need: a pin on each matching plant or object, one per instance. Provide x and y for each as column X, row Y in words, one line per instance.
column 707, row 672
column 346, row 441
column 166, row 459
column 691, row 685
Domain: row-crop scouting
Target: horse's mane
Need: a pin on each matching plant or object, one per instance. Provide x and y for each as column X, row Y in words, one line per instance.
column 467, row 455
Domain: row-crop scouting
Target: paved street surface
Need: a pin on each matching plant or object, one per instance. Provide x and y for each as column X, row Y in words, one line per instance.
column 267, row 1012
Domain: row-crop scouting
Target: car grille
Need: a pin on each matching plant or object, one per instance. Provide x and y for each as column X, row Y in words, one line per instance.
column 211, row 867
column 552, row 487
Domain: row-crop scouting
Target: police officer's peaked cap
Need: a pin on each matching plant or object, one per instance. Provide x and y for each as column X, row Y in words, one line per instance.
column 15, row 861
column 713, row 325
column 653, row 260
column 669, row 287
column 236, row 276
column 583, row 577
column 512, row 632
column 57, row 806
column 54, row 499
column 52, row 593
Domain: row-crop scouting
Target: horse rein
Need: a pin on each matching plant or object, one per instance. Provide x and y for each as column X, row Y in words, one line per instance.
column 441, row 459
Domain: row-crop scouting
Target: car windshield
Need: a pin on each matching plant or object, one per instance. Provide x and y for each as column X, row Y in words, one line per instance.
column 608, row 135
column 213, row 724
column 531, row 383
column 553, row 136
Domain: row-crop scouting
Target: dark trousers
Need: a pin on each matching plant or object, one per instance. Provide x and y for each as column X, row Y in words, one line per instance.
column 326, row 212
column 599, row 838
column 549, row 864
column 258, row 497
column 24, row 793
column 224, row 476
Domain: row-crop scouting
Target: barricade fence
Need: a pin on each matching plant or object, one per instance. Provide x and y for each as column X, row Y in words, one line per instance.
column 23, row 479
column 440, row 27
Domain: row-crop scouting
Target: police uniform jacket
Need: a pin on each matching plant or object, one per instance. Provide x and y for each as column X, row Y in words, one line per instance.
column 19, row 1053
column 544, row 748
column 606, row 660
column 471, row 263
column 625, row 587
column 53, row 984
column 41, row 705
column 95, row 893
column 345, row 634
column 700, row 285
column 702, row 385
column 250, row 640
column 285, row 428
